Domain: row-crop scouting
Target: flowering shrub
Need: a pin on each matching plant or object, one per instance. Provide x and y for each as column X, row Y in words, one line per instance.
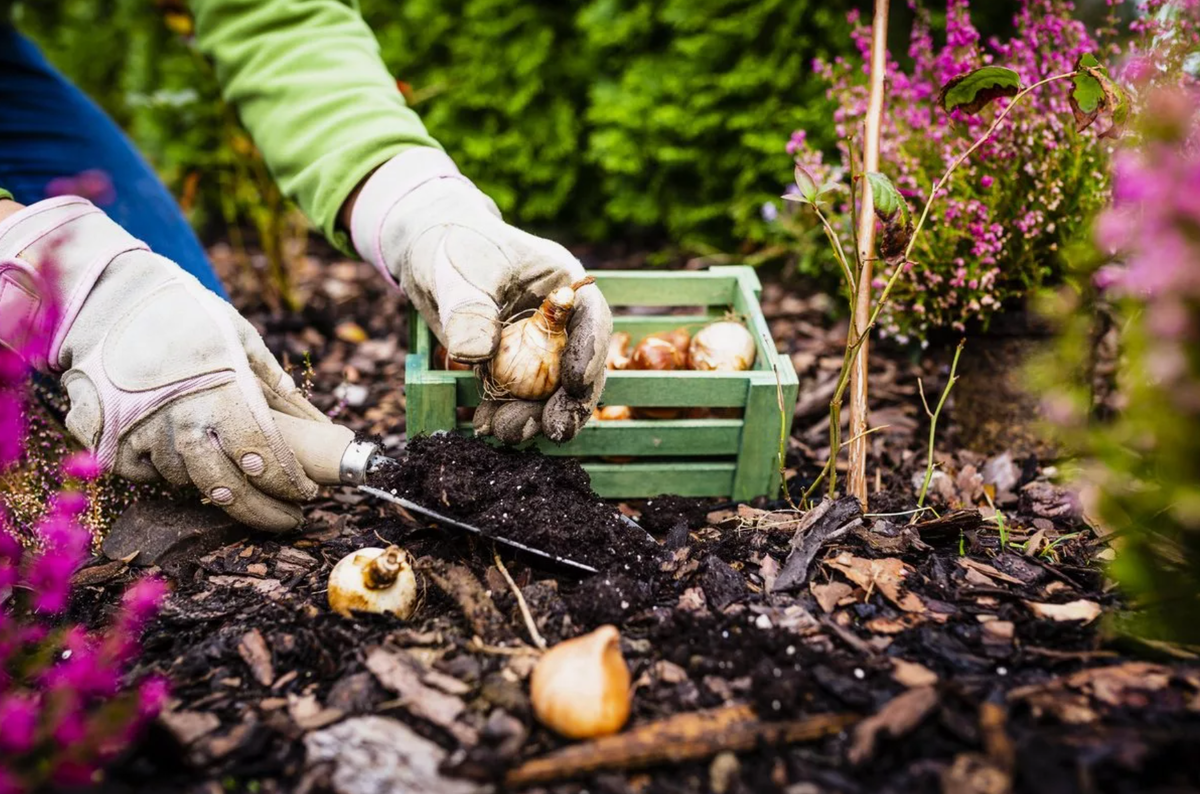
column 1141, row 448
column 64, row 707
column 1144, row 459
column 995, row 234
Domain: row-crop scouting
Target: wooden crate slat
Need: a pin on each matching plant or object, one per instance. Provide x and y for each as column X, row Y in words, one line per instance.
column 648, row 438
column 637, row 288
column 431, row 401
column 672, row 456
column 757, row 463
column 685, row 389
column 644, row 480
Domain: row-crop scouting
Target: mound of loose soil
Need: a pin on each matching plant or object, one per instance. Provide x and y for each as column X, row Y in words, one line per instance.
column 543, row 502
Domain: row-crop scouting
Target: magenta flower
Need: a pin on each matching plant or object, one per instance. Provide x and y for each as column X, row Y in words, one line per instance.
column 19, row 717
column 94, row 185
column 83, row 466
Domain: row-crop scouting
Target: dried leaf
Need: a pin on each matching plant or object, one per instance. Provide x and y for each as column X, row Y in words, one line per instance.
column 829, row 595
column 1081, row 609
column 308, row 714
column 886, row 575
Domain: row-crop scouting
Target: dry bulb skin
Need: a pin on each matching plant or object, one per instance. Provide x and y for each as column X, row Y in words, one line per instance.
column 681, row 339
column 580, row 688
column 374, row 580
column 653, row 353
column 613, row 413
column 618, row 351
column 725, row 347
column 526, row 365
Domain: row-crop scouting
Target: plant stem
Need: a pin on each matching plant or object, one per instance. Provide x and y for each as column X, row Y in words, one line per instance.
column 933, row 417
column 836, row 402
column 857, row 473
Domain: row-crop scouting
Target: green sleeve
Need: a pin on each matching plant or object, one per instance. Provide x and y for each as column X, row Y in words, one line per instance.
column 4, row 194
column 308, row 83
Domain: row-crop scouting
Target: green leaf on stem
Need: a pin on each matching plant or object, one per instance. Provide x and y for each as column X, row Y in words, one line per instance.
column 809, row 192
column 888, row 201
column 1095, row 93
column 973, row 91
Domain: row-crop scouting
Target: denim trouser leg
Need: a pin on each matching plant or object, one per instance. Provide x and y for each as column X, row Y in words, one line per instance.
column 50, row 130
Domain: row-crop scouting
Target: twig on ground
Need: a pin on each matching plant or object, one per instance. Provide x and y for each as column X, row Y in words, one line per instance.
column 534, row 634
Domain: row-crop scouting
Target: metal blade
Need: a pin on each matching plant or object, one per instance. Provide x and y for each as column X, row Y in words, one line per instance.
column 452, row 522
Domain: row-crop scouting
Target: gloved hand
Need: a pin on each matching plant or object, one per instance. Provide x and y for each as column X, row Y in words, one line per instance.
column 434, row 234
column 165, row 379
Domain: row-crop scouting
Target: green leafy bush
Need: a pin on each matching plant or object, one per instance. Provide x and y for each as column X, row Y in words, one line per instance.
column 692, row 102
column 591, row 118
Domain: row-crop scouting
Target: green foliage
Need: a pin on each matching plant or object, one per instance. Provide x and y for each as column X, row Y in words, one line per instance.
column 692, row 102
column 975, row 90
column 589, row 118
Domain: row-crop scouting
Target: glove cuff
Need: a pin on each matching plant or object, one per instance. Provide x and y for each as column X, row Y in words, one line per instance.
column 391, row 183
column 51, row 255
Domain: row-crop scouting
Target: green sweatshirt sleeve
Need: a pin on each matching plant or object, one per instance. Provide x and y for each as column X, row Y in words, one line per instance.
column 4, row 194
column 308, row 83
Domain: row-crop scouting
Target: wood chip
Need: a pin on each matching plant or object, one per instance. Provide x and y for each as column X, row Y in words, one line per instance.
column 1081, row 609
column 682, row 737
column 988, row 570
column 254, row 651
column 912, row 674
column 399, row 673
column 308, row 713
column 898, row 716
column 188, row 726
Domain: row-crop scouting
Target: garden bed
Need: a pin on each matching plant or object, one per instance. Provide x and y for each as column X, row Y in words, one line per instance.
column 930, row 657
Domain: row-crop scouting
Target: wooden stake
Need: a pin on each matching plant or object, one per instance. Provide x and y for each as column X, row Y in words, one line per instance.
column 857, row 475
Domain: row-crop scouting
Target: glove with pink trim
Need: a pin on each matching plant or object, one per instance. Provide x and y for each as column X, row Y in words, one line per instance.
column 165, row 379
column 434, row 234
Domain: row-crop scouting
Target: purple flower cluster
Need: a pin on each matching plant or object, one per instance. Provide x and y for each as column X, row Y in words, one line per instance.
column 66, row 707
column 1151, row 230
column 994, row 234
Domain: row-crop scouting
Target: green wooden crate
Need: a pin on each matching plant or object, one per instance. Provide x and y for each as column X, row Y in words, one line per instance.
column 736, row 458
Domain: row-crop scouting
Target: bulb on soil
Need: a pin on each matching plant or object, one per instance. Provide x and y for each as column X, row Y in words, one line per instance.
column 526, row 366
column 580, row 688
column 725, row 346
column 375, row 580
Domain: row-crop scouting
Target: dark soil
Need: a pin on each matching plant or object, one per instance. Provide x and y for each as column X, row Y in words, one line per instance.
column 542, row 502
column 1013, row 700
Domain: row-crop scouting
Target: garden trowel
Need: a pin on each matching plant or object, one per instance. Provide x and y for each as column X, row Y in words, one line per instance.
column 331, row 455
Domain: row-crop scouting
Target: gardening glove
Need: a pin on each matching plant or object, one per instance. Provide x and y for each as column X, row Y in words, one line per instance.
column 436, row 236
column 165, row 379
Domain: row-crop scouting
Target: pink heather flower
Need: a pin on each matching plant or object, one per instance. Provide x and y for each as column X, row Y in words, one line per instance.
column 19, row 717
column 70, row 504
column 986, row 181
column 141, row 602
column 74, row 774
column 49, row 578
column 83, row 466
column 10, row 784
column 12, row 430
column 152, row 696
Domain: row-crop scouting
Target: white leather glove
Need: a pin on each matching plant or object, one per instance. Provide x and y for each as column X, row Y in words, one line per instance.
column 165, row 379
column 435, row 235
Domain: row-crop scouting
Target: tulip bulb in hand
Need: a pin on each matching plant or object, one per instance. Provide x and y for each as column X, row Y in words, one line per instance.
column 526, row 366
column 375, row 580
column 580, row 688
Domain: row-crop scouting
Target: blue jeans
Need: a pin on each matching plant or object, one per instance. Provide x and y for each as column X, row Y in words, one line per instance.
column 50, row 130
